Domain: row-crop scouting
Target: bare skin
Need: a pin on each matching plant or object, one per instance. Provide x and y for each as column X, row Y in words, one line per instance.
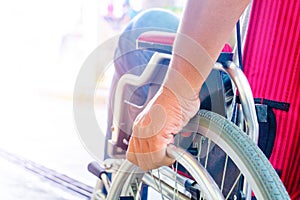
column 205, row 27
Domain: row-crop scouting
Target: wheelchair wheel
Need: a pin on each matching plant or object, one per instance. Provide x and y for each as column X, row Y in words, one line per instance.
column 187, row 179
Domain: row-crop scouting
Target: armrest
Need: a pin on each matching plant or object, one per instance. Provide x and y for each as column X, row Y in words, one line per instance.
column 157, row 41
column 163, row 42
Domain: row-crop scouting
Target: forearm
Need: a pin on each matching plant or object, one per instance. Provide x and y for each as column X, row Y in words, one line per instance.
column 207, row 24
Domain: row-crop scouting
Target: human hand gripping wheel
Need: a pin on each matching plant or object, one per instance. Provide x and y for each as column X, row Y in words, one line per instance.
column 197, row 45
column 175, row 103
column 165, row 115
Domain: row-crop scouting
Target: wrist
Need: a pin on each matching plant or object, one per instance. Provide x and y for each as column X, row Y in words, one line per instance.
column 184, row 81
column 187, row 71
column 191, row 60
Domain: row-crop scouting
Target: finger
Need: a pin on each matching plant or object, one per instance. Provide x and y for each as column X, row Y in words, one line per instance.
column 148, row 159
column 131, row 157
column 154, row 159
column 160, row 158
column 144, row 159
column 130, row 154
column 138, row 153
column 150, row 122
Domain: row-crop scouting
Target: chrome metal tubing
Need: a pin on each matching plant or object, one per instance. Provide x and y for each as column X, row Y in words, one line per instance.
column 127, row 169
column 245, row 95
column 198, row 172
column 166, row 189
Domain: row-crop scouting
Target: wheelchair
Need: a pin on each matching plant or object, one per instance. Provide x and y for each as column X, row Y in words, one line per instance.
column 219, row 159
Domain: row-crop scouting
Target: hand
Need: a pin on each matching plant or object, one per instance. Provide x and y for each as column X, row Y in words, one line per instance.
column 154, row 128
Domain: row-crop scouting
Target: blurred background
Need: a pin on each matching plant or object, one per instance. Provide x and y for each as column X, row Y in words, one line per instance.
column 43, row 44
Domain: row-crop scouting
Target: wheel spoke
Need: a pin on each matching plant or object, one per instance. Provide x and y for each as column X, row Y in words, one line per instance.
column 175, row 179
column 161, row 190
column 207, row 153
column 224, row 173
column 243, row 153
column 233, row 186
